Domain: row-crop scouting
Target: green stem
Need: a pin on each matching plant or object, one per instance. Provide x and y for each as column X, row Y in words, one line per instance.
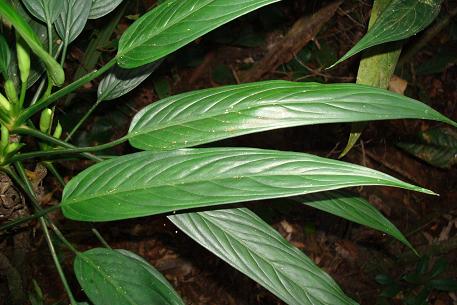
column 57, row 263
column 69, row 151
column 45, row 137
column 49, row 25
column 48, row 89
column 64, row 54
column 26, row 187
column 55, row 173
column 100, row 238
column 22, row 95
column 45, row 102
column 25, row 219
column 376, row 69
column 82, row 120
column 31, row 194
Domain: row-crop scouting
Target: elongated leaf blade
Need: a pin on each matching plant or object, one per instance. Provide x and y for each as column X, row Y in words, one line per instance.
column 250, row 245
column 174, row 24
column 5, row 55
column 73, row 18
column 121, row 81
column 44, row 10
column 26, row 32
column 205, row 116
column 149, row 183
column 352, row 208
column 400, row 20
column 120, row 277
column 101, row 8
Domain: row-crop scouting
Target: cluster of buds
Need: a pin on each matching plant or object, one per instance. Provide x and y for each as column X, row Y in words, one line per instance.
column 46, row 119
column 11, row 105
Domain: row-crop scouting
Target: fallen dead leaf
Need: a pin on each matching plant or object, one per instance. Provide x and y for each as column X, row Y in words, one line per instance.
column 398, row 85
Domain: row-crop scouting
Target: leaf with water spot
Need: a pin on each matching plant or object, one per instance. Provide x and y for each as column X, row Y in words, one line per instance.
column 149, row 183
column 208, row 115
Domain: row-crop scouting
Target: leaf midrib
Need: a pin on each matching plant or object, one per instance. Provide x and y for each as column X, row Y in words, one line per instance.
column 261, row 256
column 151, row 36
column 107, row 278
column 186, row 181
column 209, row 114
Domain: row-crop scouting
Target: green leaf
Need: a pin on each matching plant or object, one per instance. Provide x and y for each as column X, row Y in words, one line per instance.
column 376, row 68
column 37, row 67
column 121, row 81
column 45, row 10
column 5, row 56
column 120, row 277
column 73, row 18
column 149, row 183
column 353, row 208
column 400, row 20
column 208, row 115
column 174, row 24
column 436, row 146
column 55, row 71
column 250, row 245
column 101, row 8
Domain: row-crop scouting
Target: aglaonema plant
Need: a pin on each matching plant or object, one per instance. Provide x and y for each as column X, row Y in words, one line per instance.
column 169, row 177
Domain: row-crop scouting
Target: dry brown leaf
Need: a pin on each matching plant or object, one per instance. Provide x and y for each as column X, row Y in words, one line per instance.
column 398, row 85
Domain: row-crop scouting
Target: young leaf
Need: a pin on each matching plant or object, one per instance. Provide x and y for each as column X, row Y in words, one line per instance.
column 26, row 32
column 149, row 183
column 45, row 10
column 353, row 208
column 121, row 81
column 5, row 56
column 119, row 277
column 400, row 20
column 250, row 245
column 174, row 24
column 73, row 18
column 101, row 8
column 208, row 115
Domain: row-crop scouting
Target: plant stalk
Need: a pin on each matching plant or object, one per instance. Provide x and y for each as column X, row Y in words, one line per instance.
column 46, row 101
column 376, row 68
column 45, row 137
column 31, row 194
column 82, row 120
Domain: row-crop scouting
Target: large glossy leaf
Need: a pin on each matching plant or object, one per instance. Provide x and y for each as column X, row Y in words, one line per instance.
column 204, row 116
column 5, row 55
column 26, row 32
column 101, row 8
column 120, row 277
column 175, row 23
column 400, row 20
column 73, row 18
column 121, row 81
column 149, row 183
column 250, row 245
column 352, row 208
column 45, row 10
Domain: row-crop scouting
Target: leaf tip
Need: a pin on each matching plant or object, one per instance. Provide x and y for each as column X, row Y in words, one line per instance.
column 427, row 191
